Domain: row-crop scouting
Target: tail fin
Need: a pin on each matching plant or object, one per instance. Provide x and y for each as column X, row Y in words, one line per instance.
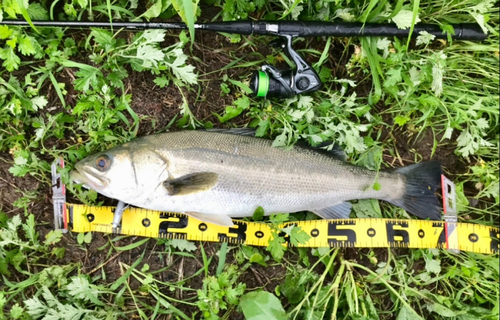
column 422, row 180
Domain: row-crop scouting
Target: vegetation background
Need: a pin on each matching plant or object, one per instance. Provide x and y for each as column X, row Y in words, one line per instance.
column 388, row 102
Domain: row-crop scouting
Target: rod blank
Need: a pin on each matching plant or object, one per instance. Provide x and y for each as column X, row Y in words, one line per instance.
column 464, row 31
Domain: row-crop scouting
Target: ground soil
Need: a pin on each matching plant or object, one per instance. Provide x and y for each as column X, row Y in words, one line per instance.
column 159, row 106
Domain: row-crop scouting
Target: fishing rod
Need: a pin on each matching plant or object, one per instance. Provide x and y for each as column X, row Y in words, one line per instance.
column 271, row 81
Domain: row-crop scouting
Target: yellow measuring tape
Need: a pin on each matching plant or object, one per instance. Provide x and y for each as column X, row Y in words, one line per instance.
column 357, row 233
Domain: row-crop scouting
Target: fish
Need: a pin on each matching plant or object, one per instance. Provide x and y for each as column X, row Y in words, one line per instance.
column 217, row 175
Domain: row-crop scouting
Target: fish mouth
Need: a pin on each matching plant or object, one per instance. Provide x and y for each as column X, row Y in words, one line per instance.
column 89, row 180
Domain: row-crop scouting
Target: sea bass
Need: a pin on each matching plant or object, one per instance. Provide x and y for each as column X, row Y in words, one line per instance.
column 215, row 175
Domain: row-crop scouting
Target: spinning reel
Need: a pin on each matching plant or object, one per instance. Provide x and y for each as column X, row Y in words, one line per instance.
column 273, row 82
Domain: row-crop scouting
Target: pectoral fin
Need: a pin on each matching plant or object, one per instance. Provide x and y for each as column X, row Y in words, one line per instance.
column 221, row 220
column 340, row 210
column 191, row 183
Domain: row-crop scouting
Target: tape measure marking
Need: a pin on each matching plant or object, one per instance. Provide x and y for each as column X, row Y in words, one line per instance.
column 358, row 233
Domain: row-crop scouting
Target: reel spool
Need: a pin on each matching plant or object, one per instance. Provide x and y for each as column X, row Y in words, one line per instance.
column 273, row 82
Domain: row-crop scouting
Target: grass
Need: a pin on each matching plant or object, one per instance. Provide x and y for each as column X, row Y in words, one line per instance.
column 387, row 102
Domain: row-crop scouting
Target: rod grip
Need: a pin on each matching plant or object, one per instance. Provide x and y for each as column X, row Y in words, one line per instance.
column 469, row 31
column 465, row 31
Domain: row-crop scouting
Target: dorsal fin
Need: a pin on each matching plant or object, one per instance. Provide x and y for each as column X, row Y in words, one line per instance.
column 336, row 152
column 236, row 131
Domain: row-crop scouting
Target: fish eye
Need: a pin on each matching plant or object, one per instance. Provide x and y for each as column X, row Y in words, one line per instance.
column 102, row 162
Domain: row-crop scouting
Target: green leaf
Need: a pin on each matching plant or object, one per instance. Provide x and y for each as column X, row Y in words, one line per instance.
column 241, row 85
column 149, row 55
column 39, row 102
column 29, row 229
column 16, row 311
column 58, row 252
column 37, row 12
column 441, row 310
column 401, row 120
column 161, row 82
column 298, row 236
column 258, row 214
column 325, row 74
column 69, row 9
column 156, row 9
column 5, row 32
column 280, row 141
column 21, row 158
column 86, row 78
column 222, row 258
column 124, row 277
column 394, row 77
column 279, row 218
column 276, row 247
column 19, row 171
column 116, row 76
column 305, row 102
column 53, row 237
column 480, row 13
column 132, row 245
column 292, row 289
column 11, row 60
column 263, row 127
column 425, row 38
column 405, row 314
column 228, row 10
column 187, row 11
column 229, row 114
column 88, row 237
column 404, row 18
column 154, row 36
column 433, row 266
column 438, row 70
column 384, row 45
column 224, row 87
column 12, row 42
column 35, row 307
column 26, row 46
column 103, row 38
column 183, row 245
column 82, row 3
column 23, row 4
column 179, row 67
column 262, row 305
column 257, row 258
column 80, row 288
column 2, row 300
column 414, row 76
column 233, row 294
column 367, row 208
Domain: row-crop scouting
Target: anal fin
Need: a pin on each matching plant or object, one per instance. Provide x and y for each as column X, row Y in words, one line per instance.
column 218, row 219
column 340, row 210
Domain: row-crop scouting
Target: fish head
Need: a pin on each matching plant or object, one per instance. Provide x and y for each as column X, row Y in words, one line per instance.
column 120, row 173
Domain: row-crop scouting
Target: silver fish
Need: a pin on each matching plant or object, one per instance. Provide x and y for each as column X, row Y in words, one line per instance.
column 215, row 175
